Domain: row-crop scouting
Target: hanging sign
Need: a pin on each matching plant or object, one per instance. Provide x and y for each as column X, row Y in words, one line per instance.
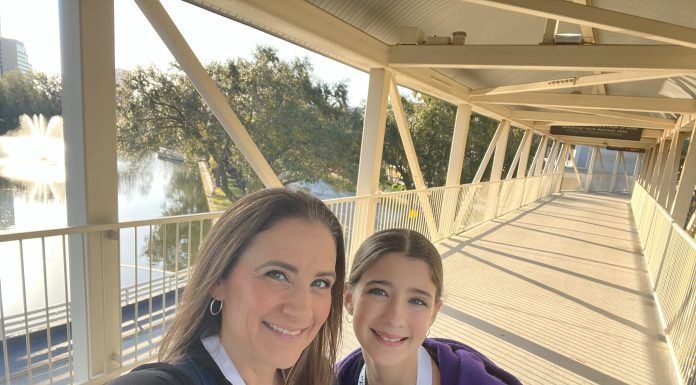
column 604, row 132
column 627, row 149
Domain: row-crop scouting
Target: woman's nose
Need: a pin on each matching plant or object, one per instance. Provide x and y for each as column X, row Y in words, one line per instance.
column 298, row 303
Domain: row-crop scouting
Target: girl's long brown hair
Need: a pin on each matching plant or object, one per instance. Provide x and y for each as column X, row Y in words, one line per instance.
column 218, row 256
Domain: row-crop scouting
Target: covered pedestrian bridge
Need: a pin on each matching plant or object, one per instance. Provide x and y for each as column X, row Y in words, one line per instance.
column 562, row 274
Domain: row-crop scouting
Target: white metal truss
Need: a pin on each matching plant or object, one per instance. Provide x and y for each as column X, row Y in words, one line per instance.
column 610, row 58
column 175, row 42
column 598, row 18
column 411, row 157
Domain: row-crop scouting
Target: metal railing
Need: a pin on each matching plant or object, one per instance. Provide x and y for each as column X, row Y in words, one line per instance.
column 670, row 255
column 36, row 314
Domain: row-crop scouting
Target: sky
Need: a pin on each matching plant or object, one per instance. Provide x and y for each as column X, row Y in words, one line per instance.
column 212, row 37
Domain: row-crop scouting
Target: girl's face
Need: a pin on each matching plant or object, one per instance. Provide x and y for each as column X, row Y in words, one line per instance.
column 278, row 296
column 393, row 305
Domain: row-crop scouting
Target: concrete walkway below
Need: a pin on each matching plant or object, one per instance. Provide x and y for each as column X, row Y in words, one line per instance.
column 556, row 293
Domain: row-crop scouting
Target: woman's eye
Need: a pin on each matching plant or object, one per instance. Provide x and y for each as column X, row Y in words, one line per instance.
column 322, row 284
column 418, row 301
column 377, row 291
column 277, row 275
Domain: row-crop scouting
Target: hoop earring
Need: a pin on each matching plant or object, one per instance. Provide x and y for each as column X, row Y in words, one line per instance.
column 212, row 303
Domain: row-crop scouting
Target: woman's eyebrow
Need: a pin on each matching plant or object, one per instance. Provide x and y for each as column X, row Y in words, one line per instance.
column 281, row 264
column 293, row 269
column 421, row 292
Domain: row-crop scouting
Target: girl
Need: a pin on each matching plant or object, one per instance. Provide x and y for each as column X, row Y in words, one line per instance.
column 394, row 294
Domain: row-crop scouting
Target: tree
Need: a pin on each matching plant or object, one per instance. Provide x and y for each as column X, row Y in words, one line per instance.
column 31, row 94
column 303, row 127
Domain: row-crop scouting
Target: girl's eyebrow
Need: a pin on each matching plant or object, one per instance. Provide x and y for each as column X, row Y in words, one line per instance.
column 389, row 284
column 293, row 269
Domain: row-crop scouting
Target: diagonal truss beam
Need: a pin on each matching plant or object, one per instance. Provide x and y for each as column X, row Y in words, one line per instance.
column 621, row 103
column 577, row 81
column 598, row 18
column 610, row 58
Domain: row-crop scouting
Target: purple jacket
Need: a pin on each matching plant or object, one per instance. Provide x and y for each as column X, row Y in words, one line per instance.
column 459, row 365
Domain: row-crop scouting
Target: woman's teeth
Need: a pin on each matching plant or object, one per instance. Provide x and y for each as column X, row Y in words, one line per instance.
column 282, row 330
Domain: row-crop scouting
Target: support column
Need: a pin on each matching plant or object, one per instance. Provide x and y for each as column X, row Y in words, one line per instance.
column 524, row 157
column 654, row 181
column 669, row 180
column 649, row 165
column 539, row 157
column 518, row 155
column 552, row 154
column 412, row 158
column 206, row 87
column 614, row 171
column 487, row 155
column 497, row 168
column 590, row 169
column 454, row 168
column 371, row 149
column 687, row 182
column 89, row 116
column 575, row 169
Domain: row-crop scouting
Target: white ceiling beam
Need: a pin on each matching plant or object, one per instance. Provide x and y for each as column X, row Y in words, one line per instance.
column 609, row 58
column 577, row 81
column 625, row 115
column 643, row 143
column 569, row 118
column 610, row 102
column 598, row 18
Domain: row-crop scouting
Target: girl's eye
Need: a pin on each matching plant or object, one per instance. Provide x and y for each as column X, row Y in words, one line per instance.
column 378, row 291
column 417, row 301
column 322, row 284
column 277, row 275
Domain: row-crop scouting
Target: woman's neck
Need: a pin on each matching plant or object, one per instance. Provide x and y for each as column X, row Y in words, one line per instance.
column 403, row 373
column 251, row 373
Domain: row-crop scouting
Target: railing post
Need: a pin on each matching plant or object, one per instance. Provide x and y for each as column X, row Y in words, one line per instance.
column 89, row 115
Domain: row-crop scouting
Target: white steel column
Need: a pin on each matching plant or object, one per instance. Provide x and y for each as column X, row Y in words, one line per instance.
column 89, row 116
column 487, row 155
column 175, row 42
column 590, row 168
column 518, row 155
column 645, row 165
column 663, row 187
column 671, row 184
column 660, row 160
column 575, row 169
column 454, row 167
column 524, row 157
column 539, row 157
column 411, row 157
column 371, row 149
column 551, row 159
column 649, row 165
column 637, row 168
column 497, row 169
column 615, row 171
column 601, row 166
column 687, row 182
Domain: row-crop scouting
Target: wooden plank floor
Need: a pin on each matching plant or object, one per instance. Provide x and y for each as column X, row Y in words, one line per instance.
column 556, row 293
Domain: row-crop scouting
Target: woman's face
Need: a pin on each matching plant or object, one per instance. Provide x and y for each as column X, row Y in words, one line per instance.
column 393, row 305
column 279, row 295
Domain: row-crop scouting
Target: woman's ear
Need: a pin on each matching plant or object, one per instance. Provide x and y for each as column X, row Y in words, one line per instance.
column 218, row 291
column 348, row 299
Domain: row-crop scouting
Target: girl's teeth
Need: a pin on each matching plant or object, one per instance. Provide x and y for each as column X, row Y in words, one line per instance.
column 394, row 340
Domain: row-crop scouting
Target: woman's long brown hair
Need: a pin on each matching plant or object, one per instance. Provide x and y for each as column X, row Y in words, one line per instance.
column 218, row 256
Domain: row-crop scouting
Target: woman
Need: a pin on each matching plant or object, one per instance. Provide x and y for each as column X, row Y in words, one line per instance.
column 263, row 304
column 394, row 294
